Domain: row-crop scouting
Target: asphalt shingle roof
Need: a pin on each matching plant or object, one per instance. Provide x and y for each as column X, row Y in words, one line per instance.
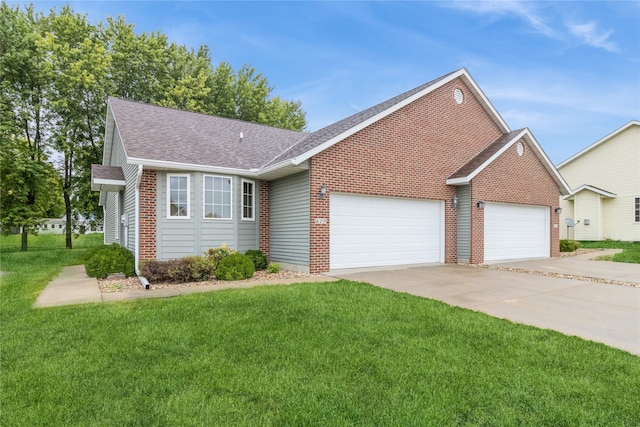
column 164, row 134
column 107, row 172
column 485, row 155
column 158, row 133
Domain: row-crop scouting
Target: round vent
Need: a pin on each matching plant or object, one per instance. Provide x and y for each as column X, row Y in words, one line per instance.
column 520, row 149
column 458, row 96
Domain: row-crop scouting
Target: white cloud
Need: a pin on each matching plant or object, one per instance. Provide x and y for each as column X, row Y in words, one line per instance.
column 524, row 10
column 590, row 34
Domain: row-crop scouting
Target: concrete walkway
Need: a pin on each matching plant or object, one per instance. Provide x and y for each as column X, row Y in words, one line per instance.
column 73, row 286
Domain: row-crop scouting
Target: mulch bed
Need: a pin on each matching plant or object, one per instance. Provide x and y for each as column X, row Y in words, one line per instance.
column 119, row 283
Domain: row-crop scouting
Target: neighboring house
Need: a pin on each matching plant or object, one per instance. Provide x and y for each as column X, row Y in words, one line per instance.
column 431, row 175
column 57, row 226
column 605, row 188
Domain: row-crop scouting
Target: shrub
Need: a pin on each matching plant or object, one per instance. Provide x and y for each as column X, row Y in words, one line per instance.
column 258, row 258
column 568, row 245
column 274, row 268
column 215, row 255
column 235, row 267
column 183, row 270
column 109, row 260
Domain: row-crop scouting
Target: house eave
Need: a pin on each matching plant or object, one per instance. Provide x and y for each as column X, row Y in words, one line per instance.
column 98, row 184
column 603, row 193
column 177, row 166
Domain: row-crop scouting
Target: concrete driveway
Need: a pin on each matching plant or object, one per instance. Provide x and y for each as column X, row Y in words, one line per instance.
column 605, row 313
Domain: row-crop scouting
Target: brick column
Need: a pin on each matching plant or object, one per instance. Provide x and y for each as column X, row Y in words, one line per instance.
column 148, row 197
column 264, row 218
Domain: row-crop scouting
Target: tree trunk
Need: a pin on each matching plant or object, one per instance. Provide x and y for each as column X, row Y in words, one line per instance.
column 23, row 248
column 67, row 209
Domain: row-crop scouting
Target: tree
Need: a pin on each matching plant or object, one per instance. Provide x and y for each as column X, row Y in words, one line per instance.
column 29, row 188
column 77, row 62
column 26, row 183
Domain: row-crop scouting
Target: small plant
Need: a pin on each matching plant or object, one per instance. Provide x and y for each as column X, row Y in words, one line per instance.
column 215, row 255
column 109, row 260
column 569, row 245
column 258, row 258
column 235, row 267
column 274, row 268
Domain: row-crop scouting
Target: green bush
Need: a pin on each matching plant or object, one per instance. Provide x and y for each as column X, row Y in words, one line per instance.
column 215, row 255
column 569, row 245
column 183, row 270
column 109, row 260
column 258, row 258
column 274, row 268
column 235, row 267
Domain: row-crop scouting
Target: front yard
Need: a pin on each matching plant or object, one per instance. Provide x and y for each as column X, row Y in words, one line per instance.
column 336, row 353
column 630, row 250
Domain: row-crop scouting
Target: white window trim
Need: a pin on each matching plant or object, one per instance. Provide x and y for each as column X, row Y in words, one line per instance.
column 179, row 175
column 253, row 200
column 204, row 189
column 634, row 209
column 116, row 232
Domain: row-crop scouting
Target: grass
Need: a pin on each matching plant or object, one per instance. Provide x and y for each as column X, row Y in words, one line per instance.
column 338, row 353
column 630, row 250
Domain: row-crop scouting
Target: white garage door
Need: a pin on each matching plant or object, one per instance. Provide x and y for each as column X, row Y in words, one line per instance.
column 378, row 231
column 515, row 231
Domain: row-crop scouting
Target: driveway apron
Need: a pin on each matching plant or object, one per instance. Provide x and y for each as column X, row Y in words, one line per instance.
column 605, row 313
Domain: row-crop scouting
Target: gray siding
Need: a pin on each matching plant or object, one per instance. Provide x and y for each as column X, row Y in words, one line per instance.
column 125, row 200
column 177, row 238
column 110, row 219
column 289, row 221
column 464, row 224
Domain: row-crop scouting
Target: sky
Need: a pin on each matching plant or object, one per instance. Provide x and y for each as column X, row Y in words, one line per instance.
column 567, row 70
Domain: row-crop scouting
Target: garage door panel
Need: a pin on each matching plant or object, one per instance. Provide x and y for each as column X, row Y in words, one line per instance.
column 375, row 231
column 515, row 231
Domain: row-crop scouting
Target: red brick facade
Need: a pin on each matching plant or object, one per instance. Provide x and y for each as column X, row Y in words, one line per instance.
column 148, row 215
column 265, row 214
column 411, row 152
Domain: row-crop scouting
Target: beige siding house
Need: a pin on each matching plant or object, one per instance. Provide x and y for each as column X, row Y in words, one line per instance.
column 605, row 188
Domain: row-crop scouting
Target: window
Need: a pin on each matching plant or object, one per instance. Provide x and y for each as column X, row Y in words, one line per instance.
column 248, row 199
column 217, row 197
column 178, row 196
column 637, row 209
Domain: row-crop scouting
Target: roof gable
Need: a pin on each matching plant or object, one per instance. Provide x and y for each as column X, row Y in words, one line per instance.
column 326, row 137
column 600, row 142
column 592, row 188
column 473, row 167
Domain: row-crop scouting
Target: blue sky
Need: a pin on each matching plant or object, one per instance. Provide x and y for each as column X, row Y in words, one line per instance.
column 568, row 70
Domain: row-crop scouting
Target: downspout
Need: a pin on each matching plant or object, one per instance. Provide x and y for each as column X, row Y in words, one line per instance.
column 137, row 221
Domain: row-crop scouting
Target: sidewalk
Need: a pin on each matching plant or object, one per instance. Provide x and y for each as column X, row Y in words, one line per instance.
column 73, row 286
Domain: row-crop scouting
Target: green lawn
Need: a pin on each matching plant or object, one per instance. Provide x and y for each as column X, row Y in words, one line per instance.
column 337, row 353
column 630, row 250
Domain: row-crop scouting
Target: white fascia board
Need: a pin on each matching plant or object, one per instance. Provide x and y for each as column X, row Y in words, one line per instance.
column 457, row 181
column 564, row 187
column 599, row 142
column 495, row 155
column 379, row 116
column 272, row 168
column 484, row 100
column 593, row 189
column 176, row 166
column 114, row 182
column 108, row 136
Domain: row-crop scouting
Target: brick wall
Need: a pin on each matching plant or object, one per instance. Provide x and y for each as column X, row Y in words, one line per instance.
column 409, row 153
column 513, row 179
column 265, row 212
column 148, row 215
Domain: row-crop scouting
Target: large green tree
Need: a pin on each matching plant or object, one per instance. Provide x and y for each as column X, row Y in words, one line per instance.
column 28, row 189
column 57, row 70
